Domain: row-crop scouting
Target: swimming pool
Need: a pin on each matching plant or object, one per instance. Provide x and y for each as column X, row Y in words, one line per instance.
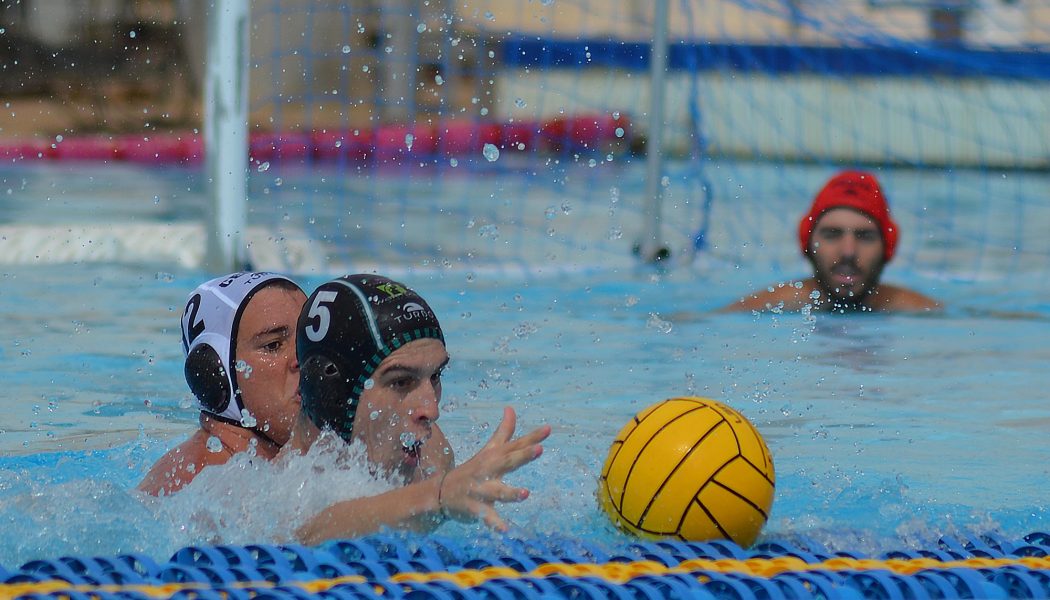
column 888, row 431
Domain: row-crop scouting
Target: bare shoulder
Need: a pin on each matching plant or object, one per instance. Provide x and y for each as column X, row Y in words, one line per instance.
column 790, row 295
column 181, row 464
column 897, row 298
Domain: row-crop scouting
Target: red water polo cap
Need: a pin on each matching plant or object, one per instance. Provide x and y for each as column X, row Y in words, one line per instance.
column 860, row 191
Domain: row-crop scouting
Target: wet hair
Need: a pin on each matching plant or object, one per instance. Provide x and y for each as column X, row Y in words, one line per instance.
column 347, row 327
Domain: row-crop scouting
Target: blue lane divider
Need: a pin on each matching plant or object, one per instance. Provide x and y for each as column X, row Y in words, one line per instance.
column 370, row 567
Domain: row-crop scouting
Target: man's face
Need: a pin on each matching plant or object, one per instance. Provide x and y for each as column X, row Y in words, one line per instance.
column 266, row 367
column 396, row 414
column 847, row 255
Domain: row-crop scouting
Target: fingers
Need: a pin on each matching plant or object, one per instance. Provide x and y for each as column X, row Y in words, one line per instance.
column 502, row 492
column 505, row 431
column 521, row 451
column 536, row 435
column 487, row 510
column 480, row 482
column 492, row 519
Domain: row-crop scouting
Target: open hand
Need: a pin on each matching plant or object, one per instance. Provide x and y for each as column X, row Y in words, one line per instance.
column 472, row 489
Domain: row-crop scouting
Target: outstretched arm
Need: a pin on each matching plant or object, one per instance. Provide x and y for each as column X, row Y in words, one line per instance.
column 468, row 491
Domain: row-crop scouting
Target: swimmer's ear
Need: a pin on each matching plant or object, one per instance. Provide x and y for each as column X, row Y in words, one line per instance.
column 207, row 378
column 327, row 395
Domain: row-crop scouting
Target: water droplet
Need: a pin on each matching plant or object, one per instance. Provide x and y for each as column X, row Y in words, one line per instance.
column 247, row 420
column 490, row 231
column 421, row 28
column 369, row 383
column 438, row 79
column 214, row 445
column 409, row 138
column 263, row 167
column 242, row 367
column 520, row 103
column 491, row 152
column 346, row 49
column 658, row 324
column 372, row 416
column 619, row 132
column 453, row 162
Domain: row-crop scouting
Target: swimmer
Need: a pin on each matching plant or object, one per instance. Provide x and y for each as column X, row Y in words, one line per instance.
column 848, row 236
column 238, row 336
column 373, row 354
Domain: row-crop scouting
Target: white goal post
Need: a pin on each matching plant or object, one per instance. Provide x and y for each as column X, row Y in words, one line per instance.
column 226, row 134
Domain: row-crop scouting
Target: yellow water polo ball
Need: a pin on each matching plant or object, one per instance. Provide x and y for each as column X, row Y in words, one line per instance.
column 690, row 468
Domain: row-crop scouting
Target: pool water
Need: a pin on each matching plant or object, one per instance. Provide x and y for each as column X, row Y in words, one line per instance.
column 887, row 431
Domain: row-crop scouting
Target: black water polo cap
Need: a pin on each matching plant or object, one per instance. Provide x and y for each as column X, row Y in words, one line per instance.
column 347, row 327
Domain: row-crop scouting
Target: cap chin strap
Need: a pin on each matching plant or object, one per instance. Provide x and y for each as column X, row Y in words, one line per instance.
column 228, row 421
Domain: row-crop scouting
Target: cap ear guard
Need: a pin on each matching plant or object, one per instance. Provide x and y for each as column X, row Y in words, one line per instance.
column 208, row 379
column 333, row 406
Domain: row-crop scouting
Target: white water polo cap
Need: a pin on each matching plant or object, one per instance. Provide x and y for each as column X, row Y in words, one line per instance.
column 209, row 339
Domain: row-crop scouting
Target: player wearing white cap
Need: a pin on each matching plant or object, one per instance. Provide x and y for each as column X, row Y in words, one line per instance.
column 238, row 335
